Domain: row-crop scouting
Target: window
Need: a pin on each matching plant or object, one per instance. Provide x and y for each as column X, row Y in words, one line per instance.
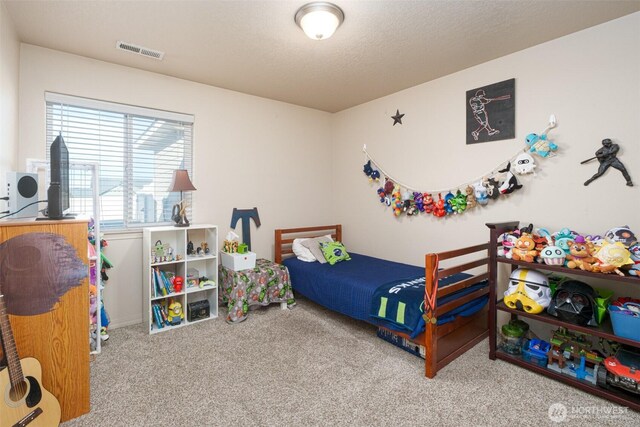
column 137, row 150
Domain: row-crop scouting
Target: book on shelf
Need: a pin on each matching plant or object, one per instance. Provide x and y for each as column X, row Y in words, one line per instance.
column 157, row 316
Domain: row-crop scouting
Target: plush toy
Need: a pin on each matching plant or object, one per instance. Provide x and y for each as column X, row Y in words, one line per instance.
column 381, row 194
column 539, row 144
column 388, row 187
column 429, row 204
column 622, row 234
column 524, row 164
column 507, row 243
column 524, row 249
column 510, row 183
column 375, row 176
column 480, row 193
column 612, row 256
column 459, row 203
column 471, row 198
column 552, row 255
column 367, row 169
column 407, row 199
column 580, row 254
column 562, row 237
column 634, row 251
column 397, row 201
column 439, row 208
column 492, row 186
column 447, row 203
column 418, row 199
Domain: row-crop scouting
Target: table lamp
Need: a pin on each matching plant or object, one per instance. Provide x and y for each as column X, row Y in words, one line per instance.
column 180, row 182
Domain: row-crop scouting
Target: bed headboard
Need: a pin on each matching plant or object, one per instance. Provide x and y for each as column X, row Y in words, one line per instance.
column 284, row 238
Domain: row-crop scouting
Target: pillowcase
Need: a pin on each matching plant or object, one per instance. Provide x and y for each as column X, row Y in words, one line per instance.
column 314, row 246
column 334, row 252
column 303, row 253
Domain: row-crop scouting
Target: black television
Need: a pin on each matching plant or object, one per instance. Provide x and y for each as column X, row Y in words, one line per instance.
column 58, row 192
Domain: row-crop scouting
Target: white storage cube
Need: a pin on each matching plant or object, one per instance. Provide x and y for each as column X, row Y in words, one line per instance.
column 237, row 262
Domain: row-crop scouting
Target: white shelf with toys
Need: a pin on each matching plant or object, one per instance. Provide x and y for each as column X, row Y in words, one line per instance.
column 180, row 276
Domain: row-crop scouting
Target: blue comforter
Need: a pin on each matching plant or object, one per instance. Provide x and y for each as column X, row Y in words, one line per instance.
column 348, row 287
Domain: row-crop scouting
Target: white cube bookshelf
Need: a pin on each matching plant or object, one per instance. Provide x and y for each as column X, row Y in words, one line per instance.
column 178, row 262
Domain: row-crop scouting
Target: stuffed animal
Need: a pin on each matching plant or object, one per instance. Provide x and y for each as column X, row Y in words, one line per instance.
column 418, row 199
column 634, row 250
column 407, row 200
column 612, row 256
column 439, row 208
column 429, row 204
column 367, row 169
column 375, row 176
column 510, row 183
column 471, row 198
column 562, row 238
column 622, row 234
column 580, row 254
column 524, row 164
column 381, row 194
column 447, row 203
column 539, row 144
column 388, row 187
column 397, row 201
column 524, row 249
column 507, row 242
column 492, row 187
column 480, row 193
column 459, row 203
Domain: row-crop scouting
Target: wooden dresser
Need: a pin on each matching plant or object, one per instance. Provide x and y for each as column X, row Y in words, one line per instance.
column 48, row 305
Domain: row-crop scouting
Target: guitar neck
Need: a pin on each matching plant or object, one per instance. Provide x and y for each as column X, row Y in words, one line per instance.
column 9, row 346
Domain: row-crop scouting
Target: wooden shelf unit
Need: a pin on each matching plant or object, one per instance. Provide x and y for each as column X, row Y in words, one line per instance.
column 604, row 330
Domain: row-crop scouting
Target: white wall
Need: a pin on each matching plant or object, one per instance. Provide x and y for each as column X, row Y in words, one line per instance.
column 590, row 80
column 249, row 151
column 9, row 78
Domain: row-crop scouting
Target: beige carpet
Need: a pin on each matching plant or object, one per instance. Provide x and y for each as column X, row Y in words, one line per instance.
column 308, row 366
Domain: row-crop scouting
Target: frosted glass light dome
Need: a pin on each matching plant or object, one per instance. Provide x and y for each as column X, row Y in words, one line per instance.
column 319, row 20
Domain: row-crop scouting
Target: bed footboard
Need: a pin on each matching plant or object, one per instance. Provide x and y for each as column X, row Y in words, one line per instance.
column 463, row 333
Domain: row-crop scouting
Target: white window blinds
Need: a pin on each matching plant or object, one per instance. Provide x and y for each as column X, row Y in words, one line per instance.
column 137, row 150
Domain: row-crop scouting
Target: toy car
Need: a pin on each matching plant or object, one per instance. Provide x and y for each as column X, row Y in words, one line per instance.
column 621, row 370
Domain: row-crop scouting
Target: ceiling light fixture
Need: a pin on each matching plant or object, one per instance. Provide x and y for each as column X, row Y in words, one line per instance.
column 319, row 20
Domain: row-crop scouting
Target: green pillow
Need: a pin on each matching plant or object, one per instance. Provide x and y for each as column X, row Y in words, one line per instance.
column 334, row 252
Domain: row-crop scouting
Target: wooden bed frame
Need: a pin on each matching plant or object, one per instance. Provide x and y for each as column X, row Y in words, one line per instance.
column 442, row 343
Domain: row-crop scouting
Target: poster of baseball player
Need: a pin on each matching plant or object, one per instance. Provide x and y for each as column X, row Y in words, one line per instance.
column 491, row 112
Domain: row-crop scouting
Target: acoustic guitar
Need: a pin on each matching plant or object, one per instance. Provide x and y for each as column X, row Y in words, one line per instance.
column 23, row 400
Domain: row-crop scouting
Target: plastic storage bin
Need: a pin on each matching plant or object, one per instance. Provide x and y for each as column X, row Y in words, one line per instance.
column 625, row 325
column 536, row 352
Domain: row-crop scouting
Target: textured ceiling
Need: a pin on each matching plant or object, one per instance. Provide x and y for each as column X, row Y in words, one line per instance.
column 255, row 47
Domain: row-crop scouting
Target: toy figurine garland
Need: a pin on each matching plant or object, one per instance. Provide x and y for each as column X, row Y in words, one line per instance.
column 457, row 199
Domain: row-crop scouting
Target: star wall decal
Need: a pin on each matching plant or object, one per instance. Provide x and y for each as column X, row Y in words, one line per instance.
column 397, row 118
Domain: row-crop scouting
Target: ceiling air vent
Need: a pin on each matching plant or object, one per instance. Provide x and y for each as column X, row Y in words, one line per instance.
column 129, row 47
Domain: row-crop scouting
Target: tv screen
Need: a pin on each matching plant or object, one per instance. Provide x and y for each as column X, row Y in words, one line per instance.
column 58, row 193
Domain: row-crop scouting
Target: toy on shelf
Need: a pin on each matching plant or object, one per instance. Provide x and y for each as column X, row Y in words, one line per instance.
column 514, row 336
column 525, row 248
column 612, row 256
column 553, row 255
column 622, row 234
column 162, row 252
column 178, row 283
column 634, row 251
column 190, row 250
column 175, row 314
column 536, row 352
column 572, row 354
column 574, row 302
column 580, row 254
column 621, row 371
column 528, row 291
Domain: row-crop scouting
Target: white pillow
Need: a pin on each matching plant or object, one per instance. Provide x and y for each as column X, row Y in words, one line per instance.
column 303, row 254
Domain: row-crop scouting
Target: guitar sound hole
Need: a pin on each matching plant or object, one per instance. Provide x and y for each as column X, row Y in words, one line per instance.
column 18, row 392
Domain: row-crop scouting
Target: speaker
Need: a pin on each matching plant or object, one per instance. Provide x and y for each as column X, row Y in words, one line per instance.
column 22, row 189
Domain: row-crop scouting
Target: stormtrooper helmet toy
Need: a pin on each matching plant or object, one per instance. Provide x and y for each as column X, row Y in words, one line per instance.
column 574, row 301
column 528, row 291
